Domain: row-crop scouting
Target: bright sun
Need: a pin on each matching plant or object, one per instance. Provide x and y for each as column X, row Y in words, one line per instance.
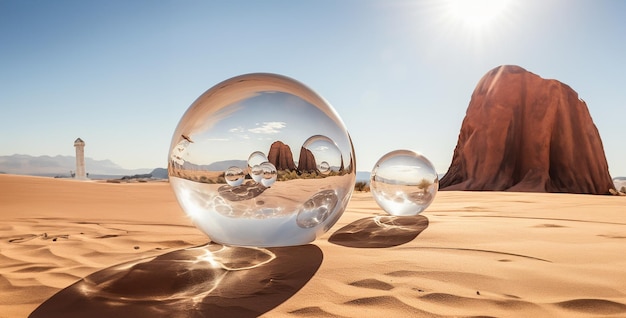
column 476, row 14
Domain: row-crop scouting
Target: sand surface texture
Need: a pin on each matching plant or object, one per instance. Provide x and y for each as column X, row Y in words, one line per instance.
column 94, row 249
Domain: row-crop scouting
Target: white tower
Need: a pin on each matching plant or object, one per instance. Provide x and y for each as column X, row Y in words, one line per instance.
column 80, row 159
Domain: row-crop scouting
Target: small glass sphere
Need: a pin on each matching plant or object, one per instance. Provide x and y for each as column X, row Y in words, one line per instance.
column 234, row 176
column 269, row 174
column 256, row 158
column 256, row 173
column 262, row 160
column 324, row 167
column 320, row 154
column 404, row 183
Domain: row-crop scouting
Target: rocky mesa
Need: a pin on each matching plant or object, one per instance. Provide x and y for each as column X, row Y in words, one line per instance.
column 280, row 156
column 525, row 133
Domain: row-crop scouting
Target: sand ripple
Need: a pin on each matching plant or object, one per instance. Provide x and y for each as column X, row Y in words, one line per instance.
column 92, row 249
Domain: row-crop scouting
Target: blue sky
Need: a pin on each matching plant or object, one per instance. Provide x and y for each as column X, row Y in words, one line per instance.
column 120, row 74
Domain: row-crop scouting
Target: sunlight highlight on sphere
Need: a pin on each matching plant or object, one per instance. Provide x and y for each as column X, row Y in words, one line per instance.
column 316, row 209
column 262, row 160
column 404, row 183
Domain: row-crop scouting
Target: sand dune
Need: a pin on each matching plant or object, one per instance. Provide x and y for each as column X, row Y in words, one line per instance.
column 76, row 249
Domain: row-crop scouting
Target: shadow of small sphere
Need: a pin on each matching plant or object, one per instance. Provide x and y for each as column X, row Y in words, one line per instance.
column 205, row 281
column 248, row 190
column 380, row 231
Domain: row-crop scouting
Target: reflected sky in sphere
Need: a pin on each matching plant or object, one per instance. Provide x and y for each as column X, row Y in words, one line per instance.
column 260, row 120
column 234, row 162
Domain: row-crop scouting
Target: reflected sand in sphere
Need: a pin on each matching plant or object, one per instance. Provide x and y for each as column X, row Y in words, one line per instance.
column 264, row 214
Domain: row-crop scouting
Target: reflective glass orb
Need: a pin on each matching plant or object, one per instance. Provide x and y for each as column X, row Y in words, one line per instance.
column 324, row 167
column 256, row 173
column 234, row 176
column 320, row 154
column 404, row 183
column 262, row 160
column 269, row 174
column 256, row 158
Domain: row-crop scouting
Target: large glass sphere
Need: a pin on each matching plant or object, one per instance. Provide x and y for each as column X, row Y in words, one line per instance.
column 404, row 183
column 262, row 160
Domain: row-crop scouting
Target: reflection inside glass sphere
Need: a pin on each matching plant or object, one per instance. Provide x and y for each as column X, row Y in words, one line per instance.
column 262, row 160
column 316, row 209
column 320, row 154
column 324, row 167
column 404, row 183
column 256, row 158
column 256, row 173
column 269, row 174
column 234, row 176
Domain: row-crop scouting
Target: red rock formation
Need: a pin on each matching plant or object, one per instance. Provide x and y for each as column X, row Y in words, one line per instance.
column 281, row 157
column 306, row 163
column 525, row 133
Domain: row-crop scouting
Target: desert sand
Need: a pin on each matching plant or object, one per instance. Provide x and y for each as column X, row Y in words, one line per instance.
column 95, row 249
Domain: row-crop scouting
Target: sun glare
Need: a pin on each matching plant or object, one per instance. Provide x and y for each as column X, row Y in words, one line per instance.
column 476, row 14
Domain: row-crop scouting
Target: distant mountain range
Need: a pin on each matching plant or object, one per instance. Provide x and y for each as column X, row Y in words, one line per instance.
column 63, row 166
column 216, row 166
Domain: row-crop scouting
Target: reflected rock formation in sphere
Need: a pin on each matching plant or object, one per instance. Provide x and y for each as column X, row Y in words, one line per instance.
column 232, row 191
column 404, row 183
